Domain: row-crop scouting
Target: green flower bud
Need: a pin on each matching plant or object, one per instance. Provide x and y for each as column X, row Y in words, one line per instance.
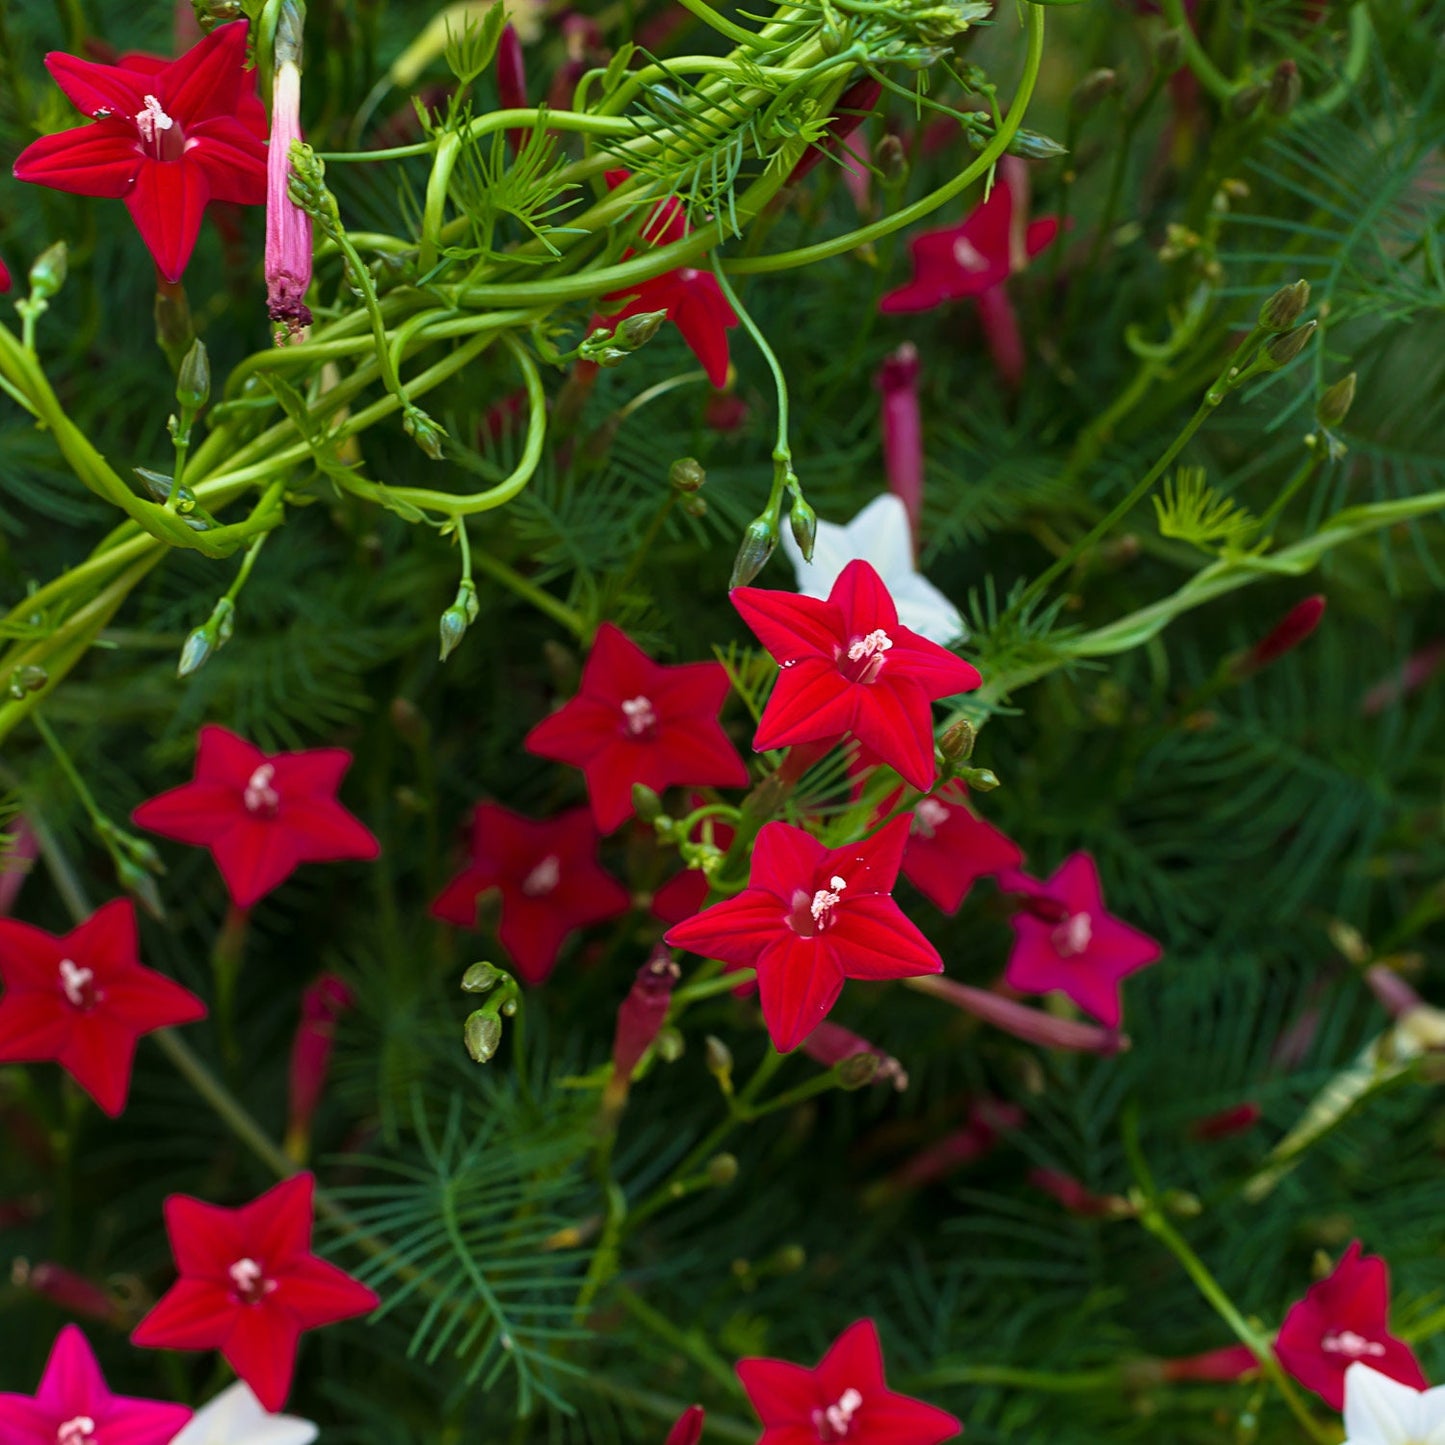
column 1169, row 51
column 719, row 1060
column 1334, row 406
column 757, row 546
column 957, row 742
column 137, row 882
column 980, row 780
column 686, row 474
column 424, row 432
column 193, row 382
column 638, row 330
column 804, row 522
column 1285, row 88
column 1245, row 101
column 1285, row 307
column 890, row 155
column 646, row 803
column 27, row 680
column 1033, row 145
column 722, row 1169
column 669, row 1045
column 482, row 1034
column 1279, row 351
column 453, row 627
column 1097, row 85
column 480, row 977
column 47, row 274
column 857, row 1071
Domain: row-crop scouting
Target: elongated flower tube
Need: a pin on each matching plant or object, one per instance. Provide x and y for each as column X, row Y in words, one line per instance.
column 288, row 227
column 897, row 382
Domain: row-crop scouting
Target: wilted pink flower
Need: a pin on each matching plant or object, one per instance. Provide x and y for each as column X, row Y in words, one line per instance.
column 641, row 1017
column 288, row 227
column 63, row 1287
column 1222, row 1366
column 987, row 1119
column 322, row 1004
column 831, row 1044
column 1076, row 1197
column 1227, row 1122
column 1031, row 1024
column 897, row 380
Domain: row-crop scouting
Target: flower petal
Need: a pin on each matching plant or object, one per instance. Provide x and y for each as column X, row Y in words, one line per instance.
column 166, row 204
column 208, row 80
column 735, row 930
column 864, row 603
column 799, row 980
column 233, row 159
column 854, row 1359
column 193, row 1314
column 72, row 1383
column 811, row 702
column 318, row 1293
column 261, row 1348
column 873, row 939
column 785, row 858
column 255, row 855
column 91, row 160
column 790, row 627
column 92, row 87
column 1378, row 1410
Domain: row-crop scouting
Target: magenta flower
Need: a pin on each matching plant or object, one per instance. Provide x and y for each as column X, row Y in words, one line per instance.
column 74, row 1405
column 845, row 1397
column 249, row 1286
column 288, row 227
column 1341, row 1319
column 549, row 879
column 1064, row 940
column 847, row 665
column 262, row 815
column 974, row 259
column 809, row 918
column 85, row 1000
column 692, row 299
column 166, row 138
column 638, row 721
column 950, row 847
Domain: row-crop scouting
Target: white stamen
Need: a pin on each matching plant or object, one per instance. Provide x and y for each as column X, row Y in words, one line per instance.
column 544, row 877
column 1347, row 1342
column 249, row 1280
column 867, row 653
column 150, row 120
column 834, row 1422
column 260, row 796
column 76, row 981
column 640, row 715
column 75, row 1430
column 968, row 256
column 825, row 900
column 928, row 817
column 1074, row 934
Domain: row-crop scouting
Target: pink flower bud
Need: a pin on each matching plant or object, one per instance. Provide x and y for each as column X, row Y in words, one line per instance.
column 688, row 1430
column 1076, row 1197
column 897, row 380
column 322, row 1005
column 988, row 1118
column 1227, row 1122
column 4, row 278
column 831, row 1044
column 643, row 1011
column 1223, row 1366
column 1419, row 668
column 288, row 227
column 512, row 81
column 1396, row 996
column 1031, row 1024
column 1285, row 636
column 15, row 863
column 72, row 1292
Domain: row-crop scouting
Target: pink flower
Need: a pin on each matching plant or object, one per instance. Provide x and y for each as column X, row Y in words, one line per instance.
column 1341, row 1319
column 261, row 814
column 288, row 227
column 810, row 918
column 950, row 847
column 638, row 721
column 897, row 381
column 974, row 259
column 249, row 1285
column 692, row 299
column 847, row 665
column 74, row 1405
column 85, row 1000
column 166, row 138
column 1065, row 941
column 550, row 882
column 322, row 1004
column 843, row 1398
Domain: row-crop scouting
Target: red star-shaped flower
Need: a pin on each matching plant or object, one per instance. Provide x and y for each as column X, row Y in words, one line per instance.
column 692, row 299
column 167, row 138
column 637, row 721
column 249, row 1285
column 950, row 847
column 85, row 999
column 848, row 665
column 845, row 1398
column 549, row 878
column 1065, row 941
column 809, row 918
column 74, row 1405
column 261, row 814
column 1341, row 1319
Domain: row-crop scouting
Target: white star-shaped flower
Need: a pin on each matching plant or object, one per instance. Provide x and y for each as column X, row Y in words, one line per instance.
column 235, row 1417
column 879, row 535
column 1381, row 1411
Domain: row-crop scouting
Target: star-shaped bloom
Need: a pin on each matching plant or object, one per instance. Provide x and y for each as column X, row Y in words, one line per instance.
column 74, row 1405
column 809, row 918
column 166, row 138
column 261, row 814
column 237, row 1417
column 974, row 259
column 550, row 882
column 1342, row 1319
column 85, row 999
column 1064, row 940
column 844, row 1398
column 950, row 847
column 692, row 299
column 1381, row 1411
column 249, row 1285
column 879, row 535
column 848, row 665
column 638, row 721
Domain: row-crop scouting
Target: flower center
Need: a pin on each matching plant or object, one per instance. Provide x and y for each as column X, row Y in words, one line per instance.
column 161, row 137
column 75, row 1430
column 928, row 818
column 968, row 256
column 261, row 799
column 864, row 659
column 1348, row 1343
column 812, row 913
column 543, row 878
column 1073, row 935
column 834, row 1422
column 248, row 1282
column 78, row 985
column 639, row 717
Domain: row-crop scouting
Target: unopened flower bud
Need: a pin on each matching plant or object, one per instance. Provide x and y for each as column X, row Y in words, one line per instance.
column 141, row 886
column 890, row 155
column 719, row 1060
column 424, row 432
column 193, row 381
column 195, row 652
column 858, row 1071
column 1285, row 307
column 1097, row 85
column 686, row 474
column 480, row 977
column 1169, row 51
column 688, row 1430
column 482, row 1034
column 643, row 1011
column 1334, row 406
column 638, row 330
column 645, row 803
column 757, row 546
column 669, row 1045
column 27, row 679
column 1181, row 1203
column 722, row 1169
column 957, row 742
column 1245, row 101
column 47, row 273
column 804, row 523
column 1283, row 637
column 1285, row 88
column 72, row 1292
column 1279, row 351
column 980, row 780
column 853, row 107
column 1032, row 145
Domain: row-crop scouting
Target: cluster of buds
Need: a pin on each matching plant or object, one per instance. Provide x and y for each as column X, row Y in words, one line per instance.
column 482, row 1031
column 687, row 477
column 137, row 865
column 760, row 540
column 458, row 617
column 612, row 348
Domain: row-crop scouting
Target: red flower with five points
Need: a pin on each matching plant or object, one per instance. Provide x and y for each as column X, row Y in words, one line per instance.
column 809, row 918
column 638, row 721
column 848, row 665
column 950, row 847
column 692, row 299
column 85, row 1000
column 166, row 138
column 1341, row 1319
column 249, row 1285
column 74, row 1405
column 548, row 876
column 844, row 1398
column 261, row 814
